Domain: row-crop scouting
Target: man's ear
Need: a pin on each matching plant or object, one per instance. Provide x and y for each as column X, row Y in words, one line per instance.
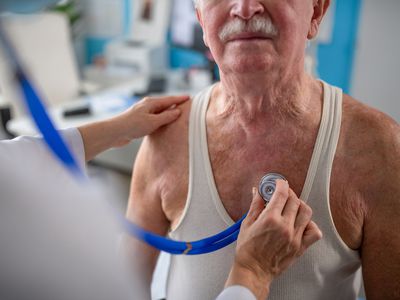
column 320, row 9
column 200, row 19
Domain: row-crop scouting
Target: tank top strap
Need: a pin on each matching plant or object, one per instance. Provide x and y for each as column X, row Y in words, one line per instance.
column 327, row 139
column 198, row 173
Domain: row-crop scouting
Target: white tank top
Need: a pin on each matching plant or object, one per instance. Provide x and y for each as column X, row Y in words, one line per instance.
column 329, row 270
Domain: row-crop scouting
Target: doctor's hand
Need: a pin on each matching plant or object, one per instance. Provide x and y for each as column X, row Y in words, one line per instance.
column 142, row 119
column 271, row 239
column 148, row 115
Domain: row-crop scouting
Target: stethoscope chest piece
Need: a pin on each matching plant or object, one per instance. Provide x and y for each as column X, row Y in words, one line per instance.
column 267, row 186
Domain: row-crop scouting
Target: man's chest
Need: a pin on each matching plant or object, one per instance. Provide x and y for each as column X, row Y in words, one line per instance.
column 237, row 171
column 239, row 167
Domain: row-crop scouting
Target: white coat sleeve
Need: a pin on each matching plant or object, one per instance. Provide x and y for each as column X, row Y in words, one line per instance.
column 236, row 292
column 27, row 152
column 74, row 139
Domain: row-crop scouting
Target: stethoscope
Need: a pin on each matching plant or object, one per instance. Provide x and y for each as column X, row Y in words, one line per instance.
column 59, row 148
column 266, row 189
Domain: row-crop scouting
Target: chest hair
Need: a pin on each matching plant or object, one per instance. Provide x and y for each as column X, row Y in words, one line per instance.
column 238, row 164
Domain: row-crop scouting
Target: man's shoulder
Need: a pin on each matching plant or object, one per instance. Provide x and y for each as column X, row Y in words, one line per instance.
column 370, row 139
column 367, row 126
column 169, row 144
column 162, row 163
column 176, row 133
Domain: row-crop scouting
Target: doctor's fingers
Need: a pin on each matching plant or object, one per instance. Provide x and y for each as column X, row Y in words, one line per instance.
column 303, row 217
column 256, row 208
column 165, row 117
column 279, row 198
column 291, row 209
column 311, row 235
column 303, row 220
column 157, row 105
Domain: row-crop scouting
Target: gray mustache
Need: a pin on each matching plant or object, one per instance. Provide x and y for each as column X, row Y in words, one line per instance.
column 256, row 25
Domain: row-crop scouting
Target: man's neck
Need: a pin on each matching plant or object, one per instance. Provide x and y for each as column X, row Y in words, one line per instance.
column 252, row 99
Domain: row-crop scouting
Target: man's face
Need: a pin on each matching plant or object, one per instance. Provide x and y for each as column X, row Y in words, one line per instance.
column 256, row 35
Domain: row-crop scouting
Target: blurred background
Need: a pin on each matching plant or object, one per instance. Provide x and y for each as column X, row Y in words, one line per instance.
column 91, row 59
column 114, row 41
column 84, row 47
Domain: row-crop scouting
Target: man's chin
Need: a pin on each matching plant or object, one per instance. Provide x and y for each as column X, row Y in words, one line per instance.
column 251, row 65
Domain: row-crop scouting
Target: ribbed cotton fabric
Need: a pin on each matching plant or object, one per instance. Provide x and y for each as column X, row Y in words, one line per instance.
column 329, row 270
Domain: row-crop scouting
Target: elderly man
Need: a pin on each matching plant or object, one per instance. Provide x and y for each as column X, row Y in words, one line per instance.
column 192, row 178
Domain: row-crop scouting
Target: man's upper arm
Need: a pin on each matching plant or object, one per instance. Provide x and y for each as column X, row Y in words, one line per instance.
column 144, row 207
column 381, row 239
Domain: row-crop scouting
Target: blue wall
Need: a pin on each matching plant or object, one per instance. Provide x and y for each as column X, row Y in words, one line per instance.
column 95, row 47
column 184, row 58
column 336, row 60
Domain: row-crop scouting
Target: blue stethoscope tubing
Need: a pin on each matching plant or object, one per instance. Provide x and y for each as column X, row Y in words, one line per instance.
column 203, row 246
column 60, row 149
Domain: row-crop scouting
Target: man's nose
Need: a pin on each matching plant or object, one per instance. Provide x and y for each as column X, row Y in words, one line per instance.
column 247, row 9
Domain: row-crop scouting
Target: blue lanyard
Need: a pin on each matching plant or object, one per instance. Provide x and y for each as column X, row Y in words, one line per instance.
column 60, row 149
